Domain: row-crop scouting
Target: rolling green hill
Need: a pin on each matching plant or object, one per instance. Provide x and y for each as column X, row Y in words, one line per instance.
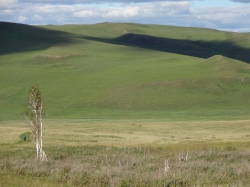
column 113, row 70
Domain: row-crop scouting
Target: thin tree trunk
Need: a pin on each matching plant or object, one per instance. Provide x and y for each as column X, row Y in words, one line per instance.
column 35, row 118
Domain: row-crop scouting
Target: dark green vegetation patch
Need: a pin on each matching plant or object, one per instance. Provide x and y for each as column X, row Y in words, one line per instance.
column 27, row 135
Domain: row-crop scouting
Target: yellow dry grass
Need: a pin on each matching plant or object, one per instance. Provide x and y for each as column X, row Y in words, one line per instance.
column 130, row 133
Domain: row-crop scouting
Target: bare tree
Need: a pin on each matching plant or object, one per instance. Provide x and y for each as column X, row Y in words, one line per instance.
column 35, row 116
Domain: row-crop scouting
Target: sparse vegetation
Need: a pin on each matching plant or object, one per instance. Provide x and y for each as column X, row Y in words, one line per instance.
column 87, row 153
column 132, row 166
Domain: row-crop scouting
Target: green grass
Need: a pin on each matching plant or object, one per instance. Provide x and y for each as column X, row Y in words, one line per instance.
column 83, row 71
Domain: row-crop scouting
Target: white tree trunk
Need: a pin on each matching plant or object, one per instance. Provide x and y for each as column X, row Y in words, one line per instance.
column 37, row 148
column 35, row 118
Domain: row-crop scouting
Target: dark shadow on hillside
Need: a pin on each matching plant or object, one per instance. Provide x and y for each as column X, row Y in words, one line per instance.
column 16, row 37
column 201, row 49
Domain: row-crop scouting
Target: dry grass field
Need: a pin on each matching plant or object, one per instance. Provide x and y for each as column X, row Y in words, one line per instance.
column 128, row 153
column 78, row 132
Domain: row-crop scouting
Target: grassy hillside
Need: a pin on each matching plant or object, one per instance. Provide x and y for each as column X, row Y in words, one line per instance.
column 196, row 42
column 113, row 70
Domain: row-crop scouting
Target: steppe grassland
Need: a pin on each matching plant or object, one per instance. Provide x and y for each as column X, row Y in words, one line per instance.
column 72, row 77
column 94, row 78
column 128, row 153
column 124, row 133
column 124, row 110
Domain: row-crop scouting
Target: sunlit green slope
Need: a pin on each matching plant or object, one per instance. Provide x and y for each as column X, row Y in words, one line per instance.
column 113, row 70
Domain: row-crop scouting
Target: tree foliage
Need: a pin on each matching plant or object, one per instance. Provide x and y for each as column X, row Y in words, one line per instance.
column 35, row 116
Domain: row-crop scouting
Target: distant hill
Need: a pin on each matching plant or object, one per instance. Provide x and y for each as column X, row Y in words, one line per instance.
column 197, row 42
column 19, row 37
column 123, row 70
